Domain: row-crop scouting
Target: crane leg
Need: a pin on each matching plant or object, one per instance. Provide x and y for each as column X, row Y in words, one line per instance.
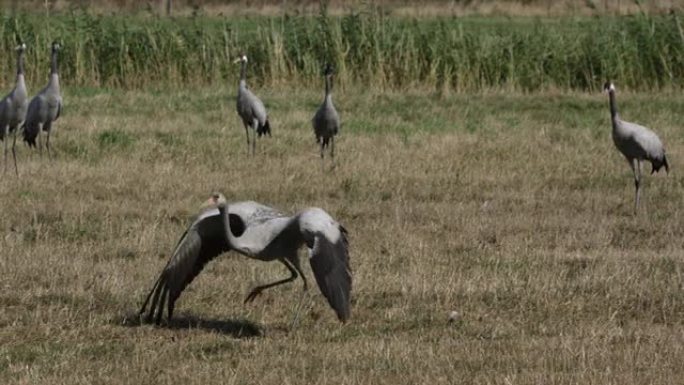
column 255, row 129
column 304, row 295
column 332, row 150
column 294, row 261
column 255, row 124
column 5, row 139
column 636, row 167
column 14, row 151
column 257, row 290
column 247, row 133
column 322, row 161
column 40, row 143
column 47, row 145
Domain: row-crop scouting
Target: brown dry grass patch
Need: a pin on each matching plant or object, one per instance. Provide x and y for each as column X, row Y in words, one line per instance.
column 512, row 209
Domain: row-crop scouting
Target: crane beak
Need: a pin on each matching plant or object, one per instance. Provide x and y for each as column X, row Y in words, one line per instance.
column 237, row 60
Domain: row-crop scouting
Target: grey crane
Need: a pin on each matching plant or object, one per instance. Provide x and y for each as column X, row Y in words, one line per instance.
column 13, row 108
column 250, row 108
column 326, row 121
column 637, row 143
column 45, row 107
column 262, row 233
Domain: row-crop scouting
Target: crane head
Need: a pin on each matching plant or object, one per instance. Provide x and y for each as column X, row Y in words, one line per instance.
column 328, row 70
column 21, row 47
column 216, row 199
column 608, row 87
column 56, row 46
column 241, row 59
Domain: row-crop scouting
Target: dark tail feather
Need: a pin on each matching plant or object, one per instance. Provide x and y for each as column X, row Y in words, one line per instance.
column 264, row 129
column 656, row 164
column 30, row 134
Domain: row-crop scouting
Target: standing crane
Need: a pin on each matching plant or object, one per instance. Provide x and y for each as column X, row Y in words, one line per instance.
column 637, row 143
column 45, row 107
column 13, row 108
column 326, row 121
column 250, row 108
column 262, row 233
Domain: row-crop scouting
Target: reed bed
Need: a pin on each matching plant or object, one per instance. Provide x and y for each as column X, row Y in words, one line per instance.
column 462, row 54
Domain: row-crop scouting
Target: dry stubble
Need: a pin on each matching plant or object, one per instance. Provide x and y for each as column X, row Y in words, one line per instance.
column 513, row 210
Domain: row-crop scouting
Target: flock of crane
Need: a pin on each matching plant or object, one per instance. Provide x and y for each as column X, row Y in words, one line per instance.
column 261, row 232
column 255, row 230
column 16, row 112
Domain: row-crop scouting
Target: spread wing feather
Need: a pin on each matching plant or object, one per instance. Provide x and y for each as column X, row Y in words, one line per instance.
column 330, row 265
column 202, row 242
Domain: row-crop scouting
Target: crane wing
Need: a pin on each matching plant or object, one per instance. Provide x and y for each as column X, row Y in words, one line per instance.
column 329, row 258
column 202, row 241
column 36, row 116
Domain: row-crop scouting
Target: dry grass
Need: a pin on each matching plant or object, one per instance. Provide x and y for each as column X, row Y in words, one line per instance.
column 514, row 210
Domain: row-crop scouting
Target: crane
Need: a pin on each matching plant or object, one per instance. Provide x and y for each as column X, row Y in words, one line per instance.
column 263, row 233
column 13, row 108
column 250, row 108
column 326, row 121
column 637, row 143
column 45, row 107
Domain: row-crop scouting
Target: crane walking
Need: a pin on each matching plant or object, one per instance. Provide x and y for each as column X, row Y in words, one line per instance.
column 326, row 121
column 637, row 143
column 13, row 108
column 45, row 107
column 250, row 108
column 262, row 233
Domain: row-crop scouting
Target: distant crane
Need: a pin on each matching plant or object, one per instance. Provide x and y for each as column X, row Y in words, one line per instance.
column 262, row 233
column 13, row 108
column 637, row 143
column 326, row 121
column 250, row 108
column 45, row 107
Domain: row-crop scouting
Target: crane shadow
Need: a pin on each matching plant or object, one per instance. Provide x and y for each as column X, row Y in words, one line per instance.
column 235, row 328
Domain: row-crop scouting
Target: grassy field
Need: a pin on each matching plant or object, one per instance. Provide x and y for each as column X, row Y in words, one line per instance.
column 513, row 209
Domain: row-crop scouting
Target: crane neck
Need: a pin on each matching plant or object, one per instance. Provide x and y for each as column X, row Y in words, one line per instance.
column 54, row 80
column 223, row 211
column 328, row 85
column 243, row 72
column 54, row 68
column 20, row 63
column 613, row 107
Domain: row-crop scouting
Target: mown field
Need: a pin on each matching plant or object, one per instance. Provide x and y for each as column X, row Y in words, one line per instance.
column 514, row 210
column 468, row 182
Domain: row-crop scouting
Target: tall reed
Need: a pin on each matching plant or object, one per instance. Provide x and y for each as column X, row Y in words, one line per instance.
column 367, row 47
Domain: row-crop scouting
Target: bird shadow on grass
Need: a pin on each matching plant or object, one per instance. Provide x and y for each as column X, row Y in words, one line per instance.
column 235, row 328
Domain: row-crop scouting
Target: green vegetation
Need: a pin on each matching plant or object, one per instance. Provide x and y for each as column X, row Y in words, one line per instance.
column 464, row 54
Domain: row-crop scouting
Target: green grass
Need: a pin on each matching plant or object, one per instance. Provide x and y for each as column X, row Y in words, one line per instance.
column 366, row 46
column 512, row 208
